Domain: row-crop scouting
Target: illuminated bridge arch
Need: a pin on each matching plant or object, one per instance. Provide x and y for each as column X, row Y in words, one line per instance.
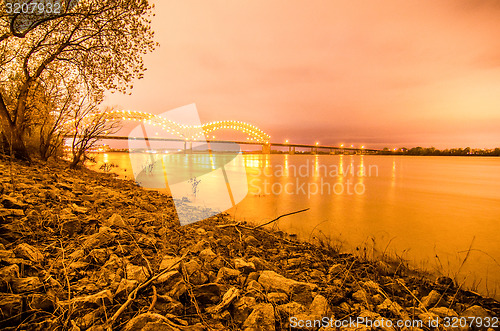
column 191, row 132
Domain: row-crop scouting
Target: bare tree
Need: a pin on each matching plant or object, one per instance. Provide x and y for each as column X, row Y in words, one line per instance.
column 101, row 40
column 55, row 103
column 87, row 124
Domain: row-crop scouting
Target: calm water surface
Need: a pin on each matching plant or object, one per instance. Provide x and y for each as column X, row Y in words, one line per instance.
column 429, row 210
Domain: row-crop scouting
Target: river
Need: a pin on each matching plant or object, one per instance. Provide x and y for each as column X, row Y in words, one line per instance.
column 434, row 212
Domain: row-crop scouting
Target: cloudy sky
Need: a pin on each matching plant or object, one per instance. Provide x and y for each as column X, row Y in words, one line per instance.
column 373, row 72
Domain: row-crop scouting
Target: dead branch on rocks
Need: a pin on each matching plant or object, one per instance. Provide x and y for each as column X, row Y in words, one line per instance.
column 277, row 218
column 238, row 224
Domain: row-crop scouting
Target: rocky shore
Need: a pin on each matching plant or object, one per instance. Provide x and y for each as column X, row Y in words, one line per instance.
column 80, row 250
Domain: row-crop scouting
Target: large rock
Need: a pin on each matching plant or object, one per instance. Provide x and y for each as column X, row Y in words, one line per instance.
column 99, row 255
column 28, row 284
column 335, row 269
column 28, row 252
column 242, row 308
column 207, row 293
column 444, row 312
column 207, row 255
column 303, row 293
column 251, row 240
column 372, row 287
column 150, row 322
column 360, row 296
column 261, row 318
column 9, row 272
column 243, row 266
column 199, row 246
column 385, row 268
column 444, row 282
column 103, row 298
column 10, row 305
column 12, row 203
column 125, row 287
column 11, row 212
column 394, row 308
column 476, row 311
column 115, row 220
column 194, row 272
column 320, row 306
column 169, row 261
column 71, row 226
column 433, row 299
column 259, row 263
column 227, row 275
column 137, row 273
column 291, row 309
column 104, row 237
column 277, row 298
column 114, row 262
column 167, row 305
column 168, row 279
column 40, row 302
column 254, row 289
column 86, row 321
column 231, row 295
column 273, row 282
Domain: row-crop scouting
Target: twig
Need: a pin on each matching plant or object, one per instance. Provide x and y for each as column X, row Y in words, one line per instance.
column 277, row 218
column 189, row 288
column 131, row 297
column 238, row 224
column 412, row 294
column 70, row 307
column 155, row 298
column 231, row 224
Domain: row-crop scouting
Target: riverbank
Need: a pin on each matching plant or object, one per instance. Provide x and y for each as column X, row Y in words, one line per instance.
column 81, row 250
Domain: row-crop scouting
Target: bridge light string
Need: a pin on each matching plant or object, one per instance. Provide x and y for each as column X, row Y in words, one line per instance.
column 186, row 131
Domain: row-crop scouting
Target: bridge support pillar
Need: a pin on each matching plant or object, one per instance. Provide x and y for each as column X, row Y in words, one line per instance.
column 186, row 149
column 291, row 150
column 314, row 150
column 266, row 149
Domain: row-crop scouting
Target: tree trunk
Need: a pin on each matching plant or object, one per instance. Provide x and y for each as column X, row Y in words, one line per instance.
column 13, row 133
column 76, row 160
column 16, row 144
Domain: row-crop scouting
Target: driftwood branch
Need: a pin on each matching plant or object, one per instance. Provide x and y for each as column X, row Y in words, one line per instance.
column 277, row 218
column 238, row 224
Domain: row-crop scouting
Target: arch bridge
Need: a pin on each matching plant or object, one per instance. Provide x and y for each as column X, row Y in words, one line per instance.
column 191, row 132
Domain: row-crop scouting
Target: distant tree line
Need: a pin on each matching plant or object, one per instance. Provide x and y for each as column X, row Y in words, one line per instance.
column 430, row 151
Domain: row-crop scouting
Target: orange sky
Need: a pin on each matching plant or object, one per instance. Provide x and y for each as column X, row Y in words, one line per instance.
column 373, row 72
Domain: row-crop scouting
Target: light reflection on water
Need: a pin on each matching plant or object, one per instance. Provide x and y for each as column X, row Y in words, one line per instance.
column 426, row 209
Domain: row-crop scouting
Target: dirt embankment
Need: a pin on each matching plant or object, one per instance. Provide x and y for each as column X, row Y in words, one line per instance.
column 81, row 250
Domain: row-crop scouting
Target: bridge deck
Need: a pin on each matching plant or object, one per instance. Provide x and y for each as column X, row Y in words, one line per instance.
column 243, row 143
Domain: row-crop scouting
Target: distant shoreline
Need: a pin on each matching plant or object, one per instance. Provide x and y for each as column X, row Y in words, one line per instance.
column 307, row 153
